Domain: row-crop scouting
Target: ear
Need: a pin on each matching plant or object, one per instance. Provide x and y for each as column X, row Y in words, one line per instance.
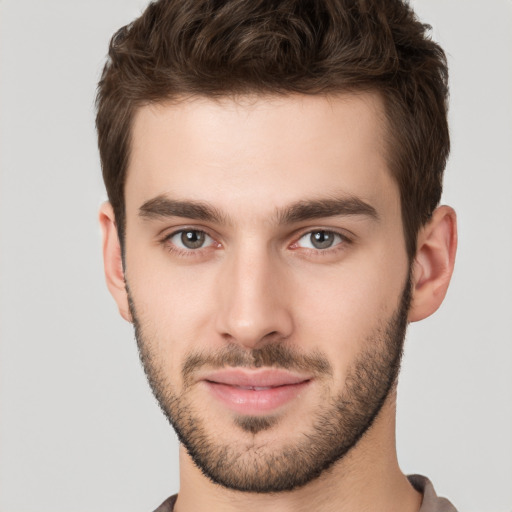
column 433, row 264
column 112, row 260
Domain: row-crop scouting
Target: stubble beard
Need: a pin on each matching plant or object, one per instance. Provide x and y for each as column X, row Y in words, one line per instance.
column 336, row 428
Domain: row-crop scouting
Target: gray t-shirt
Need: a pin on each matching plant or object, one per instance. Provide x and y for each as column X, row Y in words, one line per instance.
column 430, row 502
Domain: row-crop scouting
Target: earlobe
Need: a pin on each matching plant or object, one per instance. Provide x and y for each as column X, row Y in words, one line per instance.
column 112, row 260
column 433, row 264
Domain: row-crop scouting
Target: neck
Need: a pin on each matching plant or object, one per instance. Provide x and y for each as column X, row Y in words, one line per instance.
column 368, row 478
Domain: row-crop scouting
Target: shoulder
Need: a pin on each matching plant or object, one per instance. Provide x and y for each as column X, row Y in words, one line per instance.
column 167, row 505
column 431, row 502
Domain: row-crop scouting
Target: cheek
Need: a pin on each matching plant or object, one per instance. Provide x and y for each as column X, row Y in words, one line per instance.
column 174, row 306
column 346, row 306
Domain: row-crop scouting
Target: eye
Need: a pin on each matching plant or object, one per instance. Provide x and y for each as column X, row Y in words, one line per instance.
column 320, row 239
column 190, row 239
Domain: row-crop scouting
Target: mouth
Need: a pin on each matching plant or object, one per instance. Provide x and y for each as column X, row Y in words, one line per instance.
column 255, row 392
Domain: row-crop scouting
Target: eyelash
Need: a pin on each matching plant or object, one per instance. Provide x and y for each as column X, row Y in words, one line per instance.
column 172, row 248
column 341, row 245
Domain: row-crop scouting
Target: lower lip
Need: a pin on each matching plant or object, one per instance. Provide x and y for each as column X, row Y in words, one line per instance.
column 248, row 401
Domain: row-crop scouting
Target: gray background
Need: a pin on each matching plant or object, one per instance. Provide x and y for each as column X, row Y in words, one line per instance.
column 79, row 429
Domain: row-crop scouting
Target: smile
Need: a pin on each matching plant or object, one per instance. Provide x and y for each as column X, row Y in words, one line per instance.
column 254, row 388
column 255, row 392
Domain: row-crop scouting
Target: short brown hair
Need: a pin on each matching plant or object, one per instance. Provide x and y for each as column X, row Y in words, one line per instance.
column 217, row 48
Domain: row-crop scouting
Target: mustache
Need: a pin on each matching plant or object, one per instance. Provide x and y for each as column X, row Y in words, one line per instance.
column 274, row 355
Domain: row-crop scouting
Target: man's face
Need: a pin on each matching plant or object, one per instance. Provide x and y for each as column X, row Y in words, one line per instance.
column 268, row 278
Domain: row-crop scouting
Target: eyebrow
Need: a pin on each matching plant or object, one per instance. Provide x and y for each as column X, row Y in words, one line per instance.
column 162, row 207
column 332, row 207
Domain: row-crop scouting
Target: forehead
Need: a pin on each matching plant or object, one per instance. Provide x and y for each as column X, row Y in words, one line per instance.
column 259, row 151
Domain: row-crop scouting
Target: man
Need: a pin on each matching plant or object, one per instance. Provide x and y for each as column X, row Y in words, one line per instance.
column 274, row 171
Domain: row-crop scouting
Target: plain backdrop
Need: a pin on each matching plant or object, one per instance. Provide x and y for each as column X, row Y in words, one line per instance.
column 79, row 428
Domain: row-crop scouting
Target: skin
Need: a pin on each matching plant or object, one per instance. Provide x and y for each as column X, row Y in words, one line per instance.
column 258, row 280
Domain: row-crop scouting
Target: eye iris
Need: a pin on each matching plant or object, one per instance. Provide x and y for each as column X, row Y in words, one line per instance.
column 192, row 239
column 322, row 239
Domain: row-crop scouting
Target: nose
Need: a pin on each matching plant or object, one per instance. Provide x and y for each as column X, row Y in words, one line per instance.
column 253, row 307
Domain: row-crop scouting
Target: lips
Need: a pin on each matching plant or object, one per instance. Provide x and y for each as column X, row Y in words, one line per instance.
column 254, row 392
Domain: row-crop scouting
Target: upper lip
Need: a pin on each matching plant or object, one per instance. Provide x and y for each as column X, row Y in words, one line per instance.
column 265, row 377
